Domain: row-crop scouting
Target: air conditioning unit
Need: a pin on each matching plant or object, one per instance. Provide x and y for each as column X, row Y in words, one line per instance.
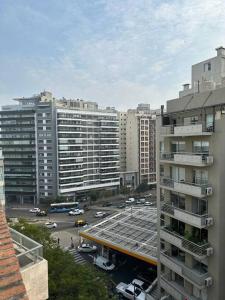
column 209, row 159
column 209, row 191
column 209, row 251
column 208, row 281
column 209, row 221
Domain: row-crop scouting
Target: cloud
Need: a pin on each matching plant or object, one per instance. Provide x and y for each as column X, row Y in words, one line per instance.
column 113, row 52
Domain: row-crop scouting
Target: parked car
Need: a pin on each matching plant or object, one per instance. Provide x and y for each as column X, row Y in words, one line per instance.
column 130, row 201
column 142, row 200
column 80, row 223
column 87, row 248
column 34, row 210
column 148, row 203
column 104, row 263
column 41, row 213
column 76, row 212
column 130, row 291
column 50, row 225
column 138, row 283
column 99, row 214
column 121, row 206
column 107, row 204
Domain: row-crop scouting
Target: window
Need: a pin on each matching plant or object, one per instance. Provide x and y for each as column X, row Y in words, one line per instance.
column 191, row 120
column 177, row 146
column 201, row 147
column 207, row 66
column 209, row 122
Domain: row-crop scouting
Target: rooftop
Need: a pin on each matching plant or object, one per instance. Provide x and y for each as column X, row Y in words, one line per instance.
column 132, row 232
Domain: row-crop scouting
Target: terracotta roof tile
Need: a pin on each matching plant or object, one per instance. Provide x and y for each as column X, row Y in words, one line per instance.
column 11, row 283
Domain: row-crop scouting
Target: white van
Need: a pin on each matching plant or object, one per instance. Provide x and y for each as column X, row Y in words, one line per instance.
column 103, row 263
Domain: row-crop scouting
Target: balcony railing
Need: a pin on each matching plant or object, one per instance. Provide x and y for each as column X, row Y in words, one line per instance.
column 189, row 188
column 195, row 275
column 197, row 128
column 175, row 289
column 183, row 158
column 197, row 249
column 27, row 250
column 195, row 219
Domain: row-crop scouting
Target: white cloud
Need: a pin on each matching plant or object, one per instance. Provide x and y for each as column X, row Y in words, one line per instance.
column 132, row 51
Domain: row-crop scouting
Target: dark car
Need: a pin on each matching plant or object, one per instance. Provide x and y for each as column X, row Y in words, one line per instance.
column 106, row 204
column 41, row 213
column 121, row 206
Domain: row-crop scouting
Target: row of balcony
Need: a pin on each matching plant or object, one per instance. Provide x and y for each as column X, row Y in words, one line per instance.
column 173, row 288
column 187, row 130
column 189, row 188
column 196, row 275
column 183, row 158
column 200, row 220
column 199, row 249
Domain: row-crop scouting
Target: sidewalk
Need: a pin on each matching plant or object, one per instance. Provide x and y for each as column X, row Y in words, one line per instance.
column 65, row 238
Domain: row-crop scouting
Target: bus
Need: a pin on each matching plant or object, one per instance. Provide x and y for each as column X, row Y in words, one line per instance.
column 63, row 207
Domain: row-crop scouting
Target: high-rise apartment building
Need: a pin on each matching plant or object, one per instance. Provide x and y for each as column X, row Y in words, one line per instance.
column 137, row 143
column 190, row 193
column 58, row 147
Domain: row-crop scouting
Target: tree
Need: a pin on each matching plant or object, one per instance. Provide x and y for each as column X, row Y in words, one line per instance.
column 67, row 279
column 93, row 195
column 143, row 187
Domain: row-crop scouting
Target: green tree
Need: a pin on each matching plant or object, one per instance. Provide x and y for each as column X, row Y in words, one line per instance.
column 143, row 187
column 67, row 279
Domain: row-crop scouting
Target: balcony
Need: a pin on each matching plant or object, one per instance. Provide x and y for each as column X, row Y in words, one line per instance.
column 195, row 275
column 188, row 188
column 199, row 220
column 33, row 267
column 197, row 129
column 199, row 250
column 174, row 288
column 188, row 159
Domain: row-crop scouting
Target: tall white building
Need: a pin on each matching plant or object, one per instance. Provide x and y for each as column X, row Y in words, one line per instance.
column 58, row 147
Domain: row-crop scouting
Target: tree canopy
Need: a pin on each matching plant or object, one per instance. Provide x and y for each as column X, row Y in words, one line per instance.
column 67, row 279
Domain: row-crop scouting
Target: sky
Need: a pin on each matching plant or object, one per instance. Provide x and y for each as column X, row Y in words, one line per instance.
column 115, row 52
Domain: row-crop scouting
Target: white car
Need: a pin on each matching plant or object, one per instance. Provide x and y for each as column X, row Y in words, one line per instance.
column 138, row 283
column 148, row 203
column 99, row 214
column 104, row 263
column 129, row 291
column 86, row 248
column 76, row 212
column 50, row 225
column 130, row 200
column 34, row 210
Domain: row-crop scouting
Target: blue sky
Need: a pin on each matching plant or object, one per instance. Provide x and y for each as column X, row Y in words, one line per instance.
column 115, row 52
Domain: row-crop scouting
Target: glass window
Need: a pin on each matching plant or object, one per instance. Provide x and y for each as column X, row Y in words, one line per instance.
column 178, row 146
column 200, row 147
column 209, row 122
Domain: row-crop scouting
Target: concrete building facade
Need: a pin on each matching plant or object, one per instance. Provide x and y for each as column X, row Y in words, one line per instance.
column 190, row 192
column 57, row 147
column 137, row 143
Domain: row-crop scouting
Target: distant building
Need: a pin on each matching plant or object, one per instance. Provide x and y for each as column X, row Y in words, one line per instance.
column 137, row 145
column 58, row 147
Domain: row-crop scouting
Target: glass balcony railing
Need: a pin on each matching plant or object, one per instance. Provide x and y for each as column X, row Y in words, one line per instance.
column 27, row 250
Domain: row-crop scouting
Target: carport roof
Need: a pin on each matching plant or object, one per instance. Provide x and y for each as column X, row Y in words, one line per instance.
column 132, row 231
